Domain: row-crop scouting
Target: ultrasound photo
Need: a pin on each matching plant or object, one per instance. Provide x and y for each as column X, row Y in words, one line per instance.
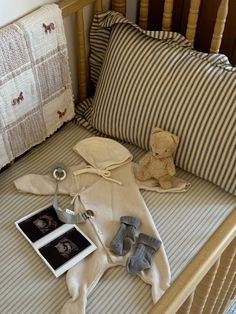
column 63, row 248
column 40, row 224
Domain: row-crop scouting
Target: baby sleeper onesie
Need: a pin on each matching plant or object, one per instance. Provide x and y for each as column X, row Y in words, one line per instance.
column 106, row 185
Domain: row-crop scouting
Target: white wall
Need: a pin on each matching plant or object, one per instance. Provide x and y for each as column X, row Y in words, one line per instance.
column 11, row 10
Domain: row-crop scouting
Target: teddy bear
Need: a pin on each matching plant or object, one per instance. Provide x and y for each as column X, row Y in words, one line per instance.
column 158, row 163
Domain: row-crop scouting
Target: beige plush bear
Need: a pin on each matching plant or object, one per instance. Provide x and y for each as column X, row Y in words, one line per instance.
column 159, row 162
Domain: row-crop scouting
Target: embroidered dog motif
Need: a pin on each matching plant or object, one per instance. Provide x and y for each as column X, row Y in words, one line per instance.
column 49, row 27
column 18, row 99
column 61, row 113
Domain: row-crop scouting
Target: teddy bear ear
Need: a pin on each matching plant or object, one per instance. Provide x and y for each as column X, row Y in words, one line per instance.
column 175, row 139
column 156, row 130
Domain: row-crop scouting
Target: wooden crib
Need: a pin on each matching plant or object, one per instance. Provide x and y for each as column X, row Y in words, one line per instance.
column 208, row 282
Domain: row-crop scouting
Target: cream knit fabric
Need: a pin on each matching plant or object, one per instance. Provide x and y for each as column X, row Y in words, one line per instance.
column 108, row 187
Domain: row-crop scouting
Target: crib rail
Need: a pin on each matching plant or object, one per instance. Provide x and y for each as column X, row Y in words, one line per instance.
column 208, row 282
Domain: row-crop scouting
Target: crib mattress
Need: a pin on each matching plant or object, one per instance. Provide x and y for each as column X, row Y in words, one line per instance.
column 184, row 220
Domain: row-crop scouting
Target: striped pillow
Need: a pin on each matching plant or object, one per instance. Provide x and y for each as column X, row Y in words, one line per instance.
column 146, row 82
column 100, row 34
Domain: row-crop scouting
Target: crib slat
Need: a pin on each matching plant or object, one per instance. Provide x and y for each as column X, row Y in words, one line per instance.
column 219, row 26
column 226, row 295
column 231, row 251
column 186, row 307
column 203, row 289
column 225, row 263
column 234, row 292
column 119, row 6
column 167, row 15
column 192, row 20
column 229, row 296
column 143, row 13
column 98, row 6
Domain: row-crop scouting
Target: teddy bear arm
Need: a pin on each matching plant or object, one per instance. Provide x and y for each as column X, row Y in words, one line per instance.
column 171, row 167
column 145, row 160
column 141, row 172
column 165, row 182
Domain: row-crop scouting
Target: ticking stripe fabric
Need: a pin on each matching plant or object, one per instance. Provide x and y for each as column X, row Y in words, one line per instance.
column 100, row 34
column 146, row 82
column 185, row 222
column 35, row 85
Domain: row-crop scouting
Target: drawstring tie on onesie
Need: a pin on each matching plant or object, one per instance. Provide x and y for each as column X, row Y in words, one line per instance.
column 69, row 216
column 105, row 174
column 74, row 197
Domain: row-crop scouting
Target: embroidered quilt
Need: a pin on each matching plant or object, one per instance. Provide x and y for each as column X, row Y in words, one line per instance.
column 35, row 85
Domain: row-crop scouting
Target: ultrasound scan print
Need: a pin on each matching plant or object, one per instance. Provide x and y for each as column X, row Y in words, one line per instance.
column 45, row 223
column 40, row 224
column 66, row 247
column 63, row 248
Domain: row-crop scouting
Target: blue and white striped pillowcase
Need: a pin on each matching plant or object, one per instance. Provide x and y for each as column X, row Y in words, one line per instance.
column 146, row 82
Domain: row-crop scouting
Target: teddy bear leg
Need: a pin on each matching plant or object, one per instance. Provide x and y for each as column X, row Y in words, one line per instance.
column 165, row 182
column 141, row 173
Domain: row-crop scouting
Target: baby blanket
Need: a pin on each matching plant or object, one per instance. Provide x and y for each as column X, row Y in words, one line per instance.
column 35, row 85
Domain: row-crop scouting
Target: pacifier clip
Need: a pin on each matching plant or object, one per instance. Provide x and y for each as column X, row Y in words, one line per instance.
column 67, row 215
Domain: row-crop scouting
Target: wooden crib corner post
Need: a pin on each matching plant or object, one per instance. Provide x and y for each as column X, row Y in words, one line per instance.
column 143, row 13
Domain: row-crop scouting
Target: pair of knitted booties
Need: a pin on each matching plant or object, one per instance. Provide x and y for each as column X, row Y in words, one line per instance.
column 125, row 238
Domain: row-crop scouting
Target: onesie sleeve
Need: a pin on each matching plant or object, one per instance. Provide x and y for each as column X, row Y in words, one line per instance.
column 36, row 184
column 41, row 184
column 46, row 184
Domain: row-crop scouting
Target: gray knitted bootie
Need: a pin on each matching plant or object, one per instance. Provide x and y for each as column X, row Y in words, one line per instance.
column 142, row 258
column 125, row 236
